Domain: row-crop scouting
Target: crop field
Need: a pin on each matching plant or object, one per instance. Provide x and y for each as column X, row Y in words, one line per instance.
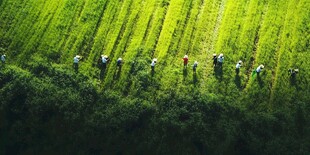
column 275, row 33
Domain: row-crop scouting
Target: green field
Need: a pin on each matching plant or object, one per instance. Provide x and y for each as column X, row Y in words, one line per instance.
column 47, row 108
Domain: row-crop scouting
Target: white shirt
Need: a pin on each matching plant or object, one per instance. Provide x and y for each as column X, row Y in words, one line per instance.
column 221, row 59
column 76, row 60
column 104, row 60
column 258, row 69
column 153, row 63
column 2, row 58
column 238, row 65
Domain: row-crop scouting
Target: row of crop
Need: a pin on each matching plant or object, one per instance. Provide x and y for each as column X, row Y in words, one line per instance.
column 258, row 88
column 201, row 21
column 249, row 39
column 22, row 25
column 169, row 25
column 221, row 80
column 32, row 39
column 135, row 48
column 9, row 14
column 85, row 28
column 214, row 17
column 137, row 73
column 168, row 75
column 284, row 89
column 58, row 30
column 109, row 17
column 131, row 39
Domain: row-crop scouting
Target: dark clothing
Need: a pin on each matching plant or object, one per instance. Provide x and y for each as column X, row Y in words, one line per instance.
column 76, row 67
column 237, row 70
column 152, row 67
column 119, row 63
column 214, row 61
column 194, row 67
column 104, row 65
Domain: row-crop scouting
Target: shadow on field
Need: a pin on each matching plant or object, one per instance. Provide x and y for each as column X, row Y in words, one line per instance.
column 195, row 79
column 185, row 73
column 118, row 73
column 218, row 72
column 238, row 81
column 101, row 73
column 260, row 81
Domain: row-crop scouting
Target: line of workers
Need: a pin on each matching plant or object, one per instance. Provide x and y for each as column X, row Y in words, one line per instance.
column 217, row 62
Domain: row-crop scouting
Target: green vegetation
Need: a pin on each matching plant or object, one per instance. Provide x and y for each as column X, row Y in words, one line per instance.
column 47, row 108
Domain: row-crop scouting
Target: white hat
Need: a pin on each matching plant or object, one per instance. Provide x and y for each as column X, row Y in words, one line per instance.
column 102, row 55
column 214, row 54
column 155, row 59
column 77, row 56
column 221, row 54
column 195, row 62
column 185, row 56
column 119, row 58
column 105, row 56
column 262, row 66
column 240, row 62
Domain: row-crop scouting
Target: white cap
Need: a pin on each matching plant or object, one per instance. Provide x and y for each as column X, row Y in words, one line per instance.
column 155, row 59
column 214, row 54
column 262, row 66
column 77, row 56
column 240, row 62
column 221, row 54
column 119, row 58
column 102, row 55
column 185, row 56
column 195, row 62
column 105, row 56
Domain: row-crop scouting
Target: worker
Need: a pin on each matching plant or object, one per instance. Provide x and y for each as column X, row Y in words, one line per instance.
column 220, row 60
column 293, row 72
column 104, row 59
column 195, row 66
column 185, row 59
column 3, row 58
column 119, row 62
column 153, row 64
column 214, row 60
column 259, row 69
column 76, row 60
column 238, row 67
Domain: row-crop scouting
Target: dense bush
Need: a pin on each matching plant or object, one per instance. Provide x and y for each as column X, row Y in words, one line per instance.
column 51, row 109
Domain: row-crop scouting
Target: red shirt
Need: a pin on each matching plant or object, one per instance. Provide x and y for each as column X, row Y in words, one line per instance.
column 185, row 61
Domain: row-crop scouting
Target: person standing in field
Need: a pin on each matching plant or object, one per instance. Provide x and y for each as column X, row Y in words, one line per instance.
column 76, row 60
column 220, row 60
column 195, row 66
column 214, row 60
column 104, row 59
column 238, row 67
column 259, row 69
column 185, row 59
column 293, row 72
column 119, row 62
column 3, row 58
column 153, row 64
